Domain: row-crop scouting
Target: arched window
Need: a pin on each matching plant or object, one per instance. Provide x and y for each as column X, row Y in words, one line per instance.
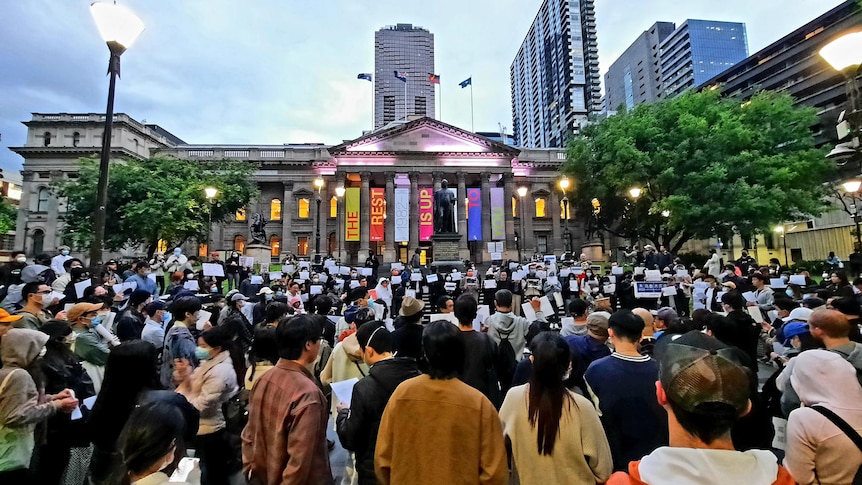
column 202, row 250
column 162, row 246
column 333, row 207
column 275, row 210
column 303, row 205
column 239, row 243
column 540, row 207
column 42, row 203
column 275, row 243
column 38, row 241
column 47, row 138
column 76, row 139
column 514, row 207
column 240, row 214
column 563, row 210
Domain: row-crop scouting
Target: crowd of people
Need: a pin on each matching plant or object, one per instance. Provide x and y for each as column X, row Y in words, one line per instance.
column 540, row 372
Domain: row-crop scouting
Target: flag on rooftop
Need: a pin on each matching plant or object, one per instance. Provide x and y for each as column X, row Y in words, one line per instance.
column 402, row 76
column 434, row 78
column 365, row 75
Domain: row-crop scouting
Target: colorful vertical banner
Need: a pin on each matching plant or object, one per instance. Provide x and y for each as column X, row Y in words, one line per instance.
column 378, row 213
column 402, row 215
column 498, row 214
column 426, row 213
column 474, row 214
column 351, row 209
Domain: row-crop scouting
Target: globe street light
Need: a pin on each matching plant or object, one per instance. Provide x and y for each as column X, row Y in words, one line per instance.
column 852, row 187
column 210, row 193
column 564, row 187
column 843, row 54
column 119, row 28
column 635, row 193
column 318, row 184
column 339, row 192
column 522, row 192
column 780, row 230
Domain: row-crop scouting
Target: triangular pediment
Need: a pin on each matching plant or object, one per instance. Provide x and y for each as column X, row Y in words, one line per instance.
column 423, row 135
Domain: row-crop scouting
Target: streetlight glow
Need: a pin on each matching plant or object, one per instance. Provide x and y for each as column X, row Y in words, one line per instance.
column 116, row 23
column 852, row 186
column 318, row 183
column 211, row 192
column 665, row 213
column 522, row 192
column 564, row 184
column 843, row 52
column 635, row 192
column 779, row 229
column 339, row 191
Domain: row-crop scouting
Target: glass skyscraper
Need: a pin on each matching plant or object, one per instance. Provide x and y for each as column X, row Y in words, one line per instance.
column 410, row 51
column 555, row 75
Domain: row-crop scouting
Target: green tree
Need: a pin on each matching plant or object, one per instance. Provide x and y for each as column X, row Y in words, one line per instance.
column 8, row 216
column 708, row 166
column 153, row 199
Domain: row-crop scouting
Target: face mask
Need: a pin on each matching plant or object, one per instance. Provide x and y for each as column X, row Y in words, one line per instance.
column 21, row 259
column 269, row 297
column 70, row 339
column 567, row 374
column 96, row 321
column 65, row 253
column 43, row 352
column 789, row 292
column 190, row 277
column 214, row 289
column 202, row 353
column 167, row 317
column 177, row 252
column 47, row 300
column 279, row 294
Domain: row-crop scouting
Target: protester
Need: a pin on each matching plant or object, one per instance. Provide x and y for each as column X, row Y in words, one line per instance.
column 130, row 324
column 506, row 328
column 157, row 319
column 36, row 297
column 179, row 347
column 438, row 415
column 585, row 349
column 556, row 435
column 90, row 345
column 407, row 337
column 579, row 310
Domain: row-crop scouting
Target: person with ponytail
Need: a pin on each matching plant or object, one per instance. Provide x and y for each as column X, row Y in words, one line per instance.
column 556, row 436
column 207, row 389
column 152, row 436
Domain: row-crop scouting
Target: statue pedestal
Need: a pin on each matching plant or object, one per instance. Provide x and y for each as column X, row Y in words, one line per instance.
column 446, row 247
column 260, row 252
column 594, row 251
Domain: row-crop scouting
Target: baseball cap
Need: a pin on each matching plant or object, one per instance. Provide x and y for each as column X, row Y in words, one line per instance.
column 794, row 329
column 5, row 317
column 238, row 296
column 703, row 376
column 597, row 323
column 667, row 314
column 79, row 309
column 411, row 306
column 265, row 291
column 729, row 284
column 800, row 314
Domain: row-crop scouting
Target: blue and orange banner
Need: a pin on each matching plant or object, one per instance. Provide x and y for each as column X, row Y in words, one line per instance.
column 378, row 213
column 351, row 210
column 426, row 213
column 474, row 214
column 498, row 214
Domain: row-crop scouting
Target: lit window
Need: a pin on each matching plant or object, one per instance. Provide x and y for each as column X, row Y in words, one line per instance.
column 333, row 207
column 303, row 208
column 540, row 207
column 275, row 210
column 514, row 207
column 275, row 243
column 162, row 246
column 42, row 204
column 239, row 243
column 202, row 250
column 240, row 214
column 302, row 246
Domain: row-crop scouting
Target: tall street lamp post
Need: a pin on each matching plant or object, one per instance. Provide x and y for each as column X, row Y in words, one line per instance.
column 783, row 234
column 635, row 193
column 318, row 184
column 522, row 192
column 210, row 193
column 119, row 27
column 843, row 54
column 564, row 187
column 339, row 192
column 852, row 187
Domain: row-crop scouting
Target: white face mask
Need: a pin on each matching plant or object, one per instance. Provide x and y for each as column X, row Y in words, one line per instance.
column 43, row 352
column 70, row 339
column 47, row 300
column 21, row 259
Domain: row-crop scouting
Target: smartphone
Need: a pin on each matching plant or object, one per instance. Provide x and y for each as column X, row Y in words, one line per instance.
column 184, row 468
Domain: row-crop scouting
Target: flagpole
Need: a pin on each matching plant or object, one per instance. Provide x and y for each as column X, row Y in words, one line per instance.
column 472, row 125
column 373, row 114
column 440, row 112
column 405, row 99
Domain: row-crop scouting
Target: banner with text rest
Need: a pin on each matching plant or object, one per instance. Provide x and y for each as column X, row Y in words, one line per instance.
column 378, row 213
column 352, row 211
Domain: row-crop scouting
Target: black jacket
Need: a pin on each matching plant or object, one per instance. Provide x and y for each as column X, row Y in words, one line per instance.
column 357, row 427
column 130, row 325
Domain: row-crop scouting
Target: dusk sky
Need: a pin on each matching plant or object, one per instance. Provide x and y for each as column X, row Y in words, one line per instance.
column 284, row 71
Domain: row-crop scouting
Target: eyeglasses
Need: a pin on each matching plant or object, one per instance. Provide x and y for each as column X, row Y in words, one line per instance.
column 44, row 292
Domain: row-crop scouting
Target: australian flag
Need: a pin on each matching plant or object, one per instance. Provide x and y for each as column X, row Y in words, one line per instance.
column 466, row 82
column 401, row 76
column 366, row 76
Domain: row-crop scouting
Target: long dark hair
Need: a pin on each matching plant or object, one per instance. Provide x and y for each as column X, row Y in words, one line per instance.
column 547, row 393
column 131, row 369
column 150, row 433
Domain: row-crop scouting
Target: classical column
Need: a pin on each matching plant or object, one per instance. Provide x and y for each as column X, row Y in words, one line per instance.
column 528, row 211
column 508, row 192
column 556, row 231
column 486, row 215
column 364, row 217
column 390, row 248
column 288, row 241
column 324, row 218
column 438, row 177
column 414, row 215
column 463, row 249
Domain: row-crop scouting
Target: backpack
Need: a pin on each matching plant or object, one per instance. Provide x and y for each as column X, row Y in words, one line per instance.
column 848, row 430
column 505, row 361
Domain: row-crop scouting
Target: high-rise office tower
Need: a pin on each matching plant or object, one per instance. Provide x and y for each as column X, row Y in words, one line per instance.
column 409, row 51
column 699, row 50
column 635, row 77
column 555, row 75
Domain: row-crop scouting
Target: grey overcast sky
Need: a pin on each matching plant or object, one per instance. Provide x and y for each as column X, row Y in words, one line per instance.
column 284, row 71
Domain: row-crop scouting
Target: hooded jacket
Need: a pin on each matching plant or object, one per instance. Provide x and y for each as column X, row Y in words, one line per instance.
column 851, row 352
column 508, row 325
column 817, row 450
column 357, row 427
column 20, row 409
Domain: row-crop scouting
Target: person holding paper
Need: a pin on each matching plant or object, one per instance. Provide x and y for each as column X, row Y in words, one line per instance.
column 232, row 270
column 713, row 264
column 179, row 347
column 504, row 325
column 358, row 424
column 177, row 262
column 130, row 323
column 765, row 298
column 479, row 359
column 746, row 331
column 142, row 278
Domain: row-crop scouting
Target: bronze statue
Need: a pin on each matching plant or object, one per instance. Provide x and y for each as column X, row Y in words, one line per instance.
column 258, row 234
column 444, row 203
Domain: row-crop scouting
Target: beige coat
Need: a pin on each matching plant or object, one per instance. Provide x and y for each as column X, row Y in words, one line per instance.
column 210, row 386
column 581, row 452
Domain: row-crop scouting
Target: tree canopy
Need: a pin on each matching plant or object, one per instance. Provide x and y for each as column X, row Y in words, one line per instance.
column 155, row 199
column 8, row 216
column 708, row 166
